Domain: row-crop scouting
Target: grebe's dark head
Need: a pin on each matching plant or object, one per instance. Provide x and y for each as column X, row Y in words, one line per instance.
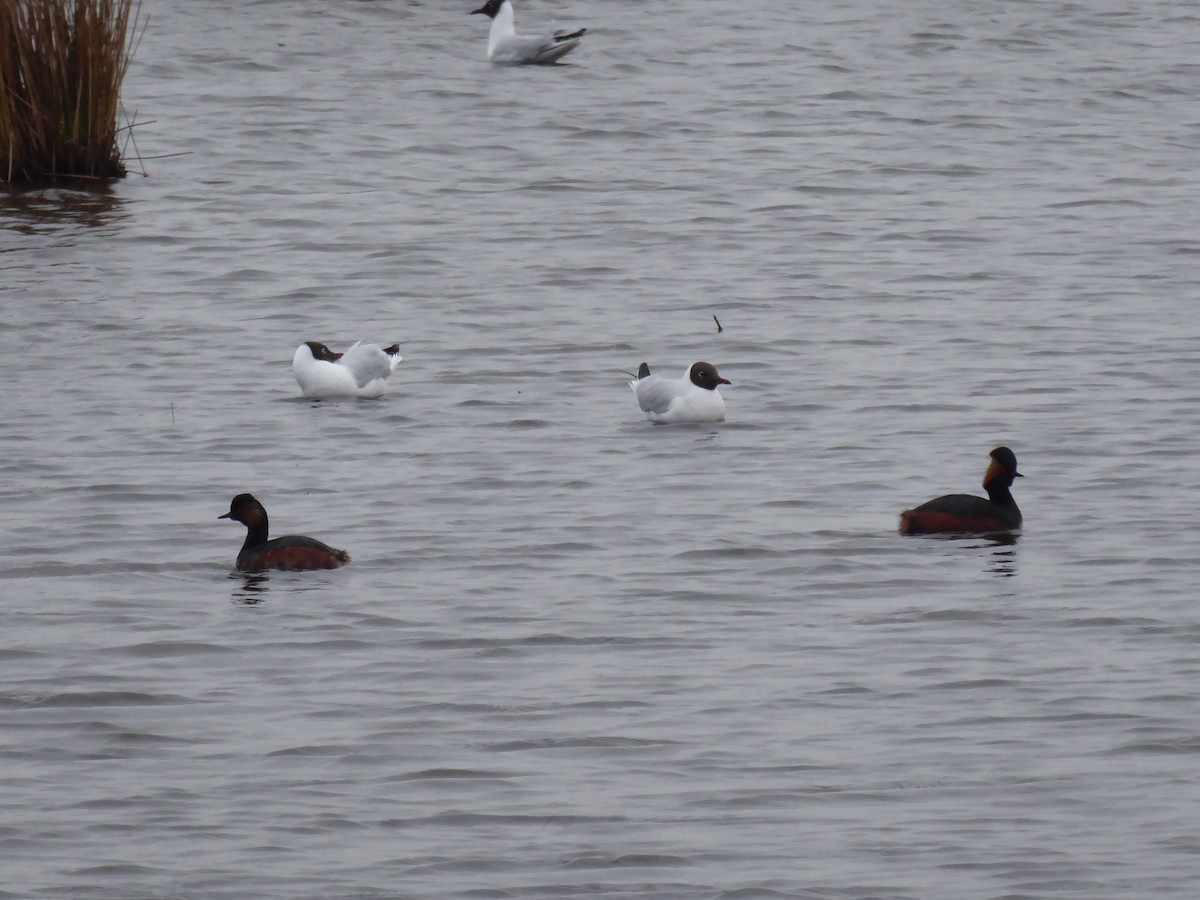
column 246, row 509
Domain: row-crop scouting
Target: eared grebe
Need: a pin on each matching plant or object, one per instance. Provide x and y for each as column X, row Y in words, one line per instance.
column 362, row 371
column 966, row 513
column 506, row 46
column 692, row 398
column 294, row 552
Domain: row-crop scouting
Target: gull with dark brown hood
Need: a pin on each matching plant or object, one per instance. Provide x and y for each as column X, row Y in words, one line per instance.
column 506, row 46
column 692, row 398
column 362, row 371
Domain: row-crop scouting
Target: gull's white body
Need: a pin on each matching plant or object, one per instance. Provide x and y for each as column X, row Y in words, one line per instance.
column 677, row 400
column 362, row 371
column 506, row 46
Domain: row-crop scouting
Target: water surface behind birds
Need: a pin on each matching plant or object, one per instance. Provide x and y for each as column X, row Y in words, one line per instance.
column 576, row 653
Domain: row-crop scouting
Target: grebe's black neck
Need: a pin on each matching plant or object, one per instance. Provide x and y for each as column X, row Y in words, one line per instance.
column 998, row 492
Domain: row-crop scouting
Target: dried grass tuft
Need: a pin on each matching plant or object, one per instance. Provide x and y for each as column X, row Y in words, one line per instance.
column 62, row 63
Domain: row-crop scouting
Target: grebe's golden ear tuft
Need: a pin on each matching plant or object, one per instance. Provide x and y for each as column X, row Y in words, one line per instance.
column 1003, row 467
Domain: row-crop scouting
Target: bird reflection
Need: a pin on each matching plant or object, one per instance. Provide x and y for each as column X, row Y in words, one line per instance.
column 252, row 589
column 1003, row 558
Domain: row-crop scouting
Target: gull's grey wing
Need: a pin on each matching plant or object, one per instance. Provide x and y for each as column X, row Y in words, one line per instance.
column 366, row 362
column 535, row 49
column 655, row 394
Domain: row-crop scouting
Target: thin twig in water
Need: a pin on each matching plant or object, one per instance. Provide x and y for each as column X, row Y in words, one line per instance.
column 163, row 155
column 718, row 321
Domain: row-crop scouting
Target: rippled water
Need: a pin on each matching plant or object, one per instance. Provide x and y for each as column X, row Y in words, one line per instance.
column 576, row 653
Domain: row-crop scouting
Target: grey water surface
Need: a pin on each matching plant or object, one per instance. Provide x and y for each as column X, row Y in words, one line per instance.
column 577, row 654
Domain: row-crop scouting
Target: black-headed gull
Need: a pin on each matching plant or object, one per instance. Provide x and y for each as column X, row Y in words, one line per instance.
column 506, row 46
column 692, row 398
column 362, row 371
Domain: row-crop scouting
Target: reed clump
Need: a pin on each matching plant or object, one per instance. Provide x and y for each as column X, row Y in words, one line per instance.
column 61, row 67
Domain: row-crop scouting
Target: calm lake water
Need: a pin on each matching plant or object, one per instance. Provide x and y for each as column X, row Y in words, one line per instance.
column 578, row 654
